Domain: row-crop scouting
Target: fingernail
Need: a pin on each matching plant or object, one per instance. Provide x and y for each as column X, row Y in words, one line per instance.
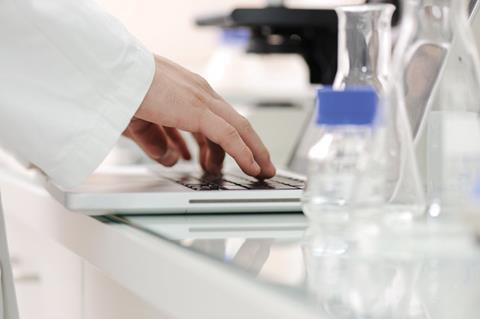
column 256, row 168
column 171, row 156
column 273, row 169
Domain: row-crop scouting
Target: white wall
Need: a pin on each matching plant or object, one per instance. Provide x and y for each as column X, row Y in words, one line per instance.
column 167, row 27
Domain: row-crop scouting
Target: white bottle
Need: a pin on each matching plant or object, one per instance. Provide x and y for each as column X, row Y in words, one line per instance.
column 346, row 173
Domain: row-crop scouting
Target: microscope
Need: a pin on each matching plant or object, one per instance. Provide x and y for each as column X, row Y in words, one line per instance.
column 278, row 29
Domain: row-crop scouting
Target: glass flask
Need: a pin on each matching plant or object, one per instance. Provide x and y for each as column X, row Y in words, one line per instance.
column 364, row 59
column 364, row 44
column 439, row 84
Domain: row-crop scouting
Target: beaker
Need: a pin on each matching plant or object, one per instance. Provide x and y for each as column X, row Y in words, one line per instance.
column 364, row 45
column 439, row 84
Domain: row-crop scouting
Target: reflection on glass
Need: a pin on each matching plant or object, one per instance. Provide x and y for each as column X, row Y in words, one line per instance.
column 353, row 278
column 274, row 260
column 363, row 271
column 249, row 254
column 374, row 271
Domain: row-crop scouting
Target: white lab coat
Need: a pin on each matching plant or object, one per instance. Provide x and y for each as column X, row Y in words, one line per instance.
column 71, row 78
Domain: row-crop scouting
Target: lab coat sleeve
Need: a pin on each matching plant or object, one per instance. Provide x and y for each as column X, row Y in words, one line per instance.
column 71, row 78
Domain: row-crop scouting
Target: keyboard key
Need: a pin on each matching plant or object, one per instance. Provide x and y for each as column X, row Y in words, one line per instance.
column 233, row 187
column 241, row 179
column 261, row 185
column 289, row 181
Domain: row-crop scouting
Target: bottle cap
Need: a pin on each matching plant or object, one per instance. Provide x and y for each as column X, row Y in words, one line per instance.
column 352, row 106
column 235, row 36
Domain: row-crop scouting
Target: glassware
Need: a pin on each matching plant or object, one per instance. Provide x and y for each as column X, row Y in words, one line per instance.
column 439, row 84
column 357, row 272
column 364, row 44
column 419, row 54
column 346, row 177
column 373, row 270
column 364, row 59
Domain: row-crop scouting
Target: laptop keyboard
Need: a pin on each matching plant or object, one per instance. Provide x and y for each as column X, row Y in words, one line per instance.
column 205, row 182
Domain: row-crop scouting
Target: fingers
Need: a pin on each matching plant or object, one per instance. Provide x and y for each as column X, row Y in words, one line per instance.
column 203, row 149
column 211, row 155
column 226, row 136
column 248, row 135
column 214, row 158
column 178, row 140
column 154, row 141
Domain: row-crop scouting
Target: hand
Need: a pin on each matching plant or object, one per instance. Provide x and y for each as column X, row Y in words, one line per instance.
column 180, row 99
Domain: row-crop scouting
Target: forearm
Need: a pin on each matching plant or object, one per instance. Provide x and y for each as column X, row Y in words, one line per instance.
column 72, row 77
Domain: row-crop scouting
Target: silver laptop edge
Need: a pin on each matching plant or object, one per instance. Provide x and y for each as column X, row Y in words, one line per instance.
column 150, row 193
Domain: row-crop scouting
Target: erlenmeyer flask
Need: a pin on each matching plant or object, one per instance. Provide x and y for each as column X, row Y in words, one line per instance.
column 441, row 90
column 425, row 38
column 364, row 44
column 364, row 59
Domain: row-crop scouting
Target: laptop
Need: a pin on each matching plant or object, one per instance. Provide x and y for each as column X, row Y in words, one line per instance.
column 157, row 190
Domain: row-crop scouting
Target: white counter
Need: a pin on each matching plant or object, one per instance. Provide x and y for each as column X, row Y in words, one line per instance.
column 233, row 266
column 176, row 282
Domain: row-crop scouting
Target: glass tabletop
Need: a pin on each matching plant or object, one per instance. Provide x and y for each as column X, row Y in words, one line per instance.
column 366, row 270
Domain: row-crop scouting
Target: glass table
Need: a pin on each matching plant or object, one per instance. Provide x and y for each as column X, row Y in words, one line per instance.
column 376, row 269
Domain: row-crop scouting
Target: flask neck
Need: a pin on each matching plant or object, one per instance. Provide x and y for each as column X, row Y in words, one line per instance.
column 364, row 45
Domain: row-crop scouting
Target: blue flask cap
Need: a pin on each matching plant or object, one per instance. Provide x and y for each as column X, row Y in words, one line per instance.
column 352, row 106
column 235, row 36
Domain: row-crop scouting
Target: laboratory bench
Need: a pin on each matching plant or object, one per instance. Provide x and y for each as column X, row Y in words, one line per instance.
column 70, row 265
